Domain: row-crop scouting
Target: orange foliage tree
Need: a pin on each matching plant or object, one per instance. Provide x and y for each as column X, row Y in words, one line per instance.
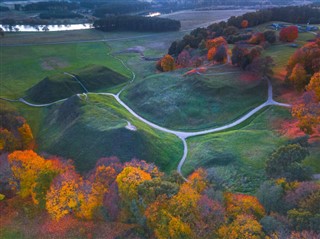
column 167, row 63
column 257, row 38
column 217, row 49
column 237, row 204
column 308, row 56
column 314, row 85
column 26, row 136
column 244, row 23
column 198, row 180
column 307, row 111
column 26, row 167
column 299, row 77
column 289, row 34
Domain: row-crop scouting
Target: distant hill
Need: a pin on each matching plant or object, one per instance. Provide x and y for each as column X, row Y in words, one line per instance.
column 60, row 86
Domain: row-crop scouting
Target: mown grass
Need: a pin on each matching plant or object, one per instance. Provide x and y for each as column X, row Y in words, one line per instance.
column 236, row 158
column 23, row 67
column 88, row 130
column 195, row 102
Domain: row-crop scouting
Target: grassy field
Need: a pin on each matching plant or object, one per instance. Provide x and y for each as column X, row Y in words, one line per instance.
column 23, row 67
column 88, row 130
column 235, row 159
column 191, row 19
column 196, row 102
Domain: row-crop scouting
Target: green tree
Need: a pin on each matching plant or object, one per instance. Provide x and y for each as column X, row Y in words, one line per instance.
column 285, row 162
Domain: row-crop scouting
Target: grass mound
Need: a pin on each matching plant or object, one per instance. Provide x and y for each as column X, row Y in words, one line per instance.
column 53, row 88
column 95, row 77
column 196, row 102
column 86, row 130
column 60, row 86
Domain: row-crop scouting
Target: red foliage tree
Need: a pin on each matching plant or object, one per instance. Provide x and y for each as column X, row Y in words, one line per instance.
column 289, row 34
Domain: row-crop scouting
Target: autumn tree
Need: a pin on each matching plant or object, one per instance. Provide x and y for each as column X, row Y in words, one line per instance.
column 128, row 181
column 243, row 227
column 163, row 223
column 8, row 143
column 217, row 49
column 26, row 135
column 289, row 34
column 237, row 204
column 299, row 77
column 198, row 180
column 257, row 38
column 306, row 56
column 63, row 196
column 244, row 23
column 314, row 85
column 92, row 191
column 26, row 167
column 167, row 63
column 307, row 111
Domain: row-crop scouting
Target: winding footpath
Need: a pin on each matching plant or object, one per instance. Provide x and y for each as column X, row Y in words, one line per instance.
column 183, row 135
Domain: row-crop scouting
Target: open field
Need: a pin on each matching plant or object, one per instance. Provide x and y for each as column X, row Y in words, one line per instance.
column 196, row 102
column 23, row 67
column 191, row 19
column 236, row 158
column 86, row 130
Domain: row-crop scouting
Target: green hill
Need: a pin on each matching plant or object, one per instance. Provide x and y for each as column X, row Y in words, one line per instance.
column 60, row 86
column 86, row 130
column 198, row 101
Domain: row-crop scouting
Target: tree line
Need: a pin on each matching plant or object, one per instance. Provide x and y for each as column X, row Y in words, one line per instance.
column 230, row 30
column 118, row 8
column 50, row 5
column 136, row 23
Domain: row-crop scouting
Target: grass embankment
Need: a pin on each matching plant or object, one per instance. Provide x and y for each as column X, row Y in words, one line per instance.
column 235, row 159
column 196, row 102
column 23, row 67
column 60, row 86
column 88, row 130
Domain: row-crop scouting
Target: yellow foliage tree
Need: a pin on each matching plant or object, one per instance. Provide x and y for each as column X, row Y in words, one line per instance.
column 128, row 181
column 314, row 85
column 63, row 195
column 243, row 227
column 26, row 167
column 26, row 136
